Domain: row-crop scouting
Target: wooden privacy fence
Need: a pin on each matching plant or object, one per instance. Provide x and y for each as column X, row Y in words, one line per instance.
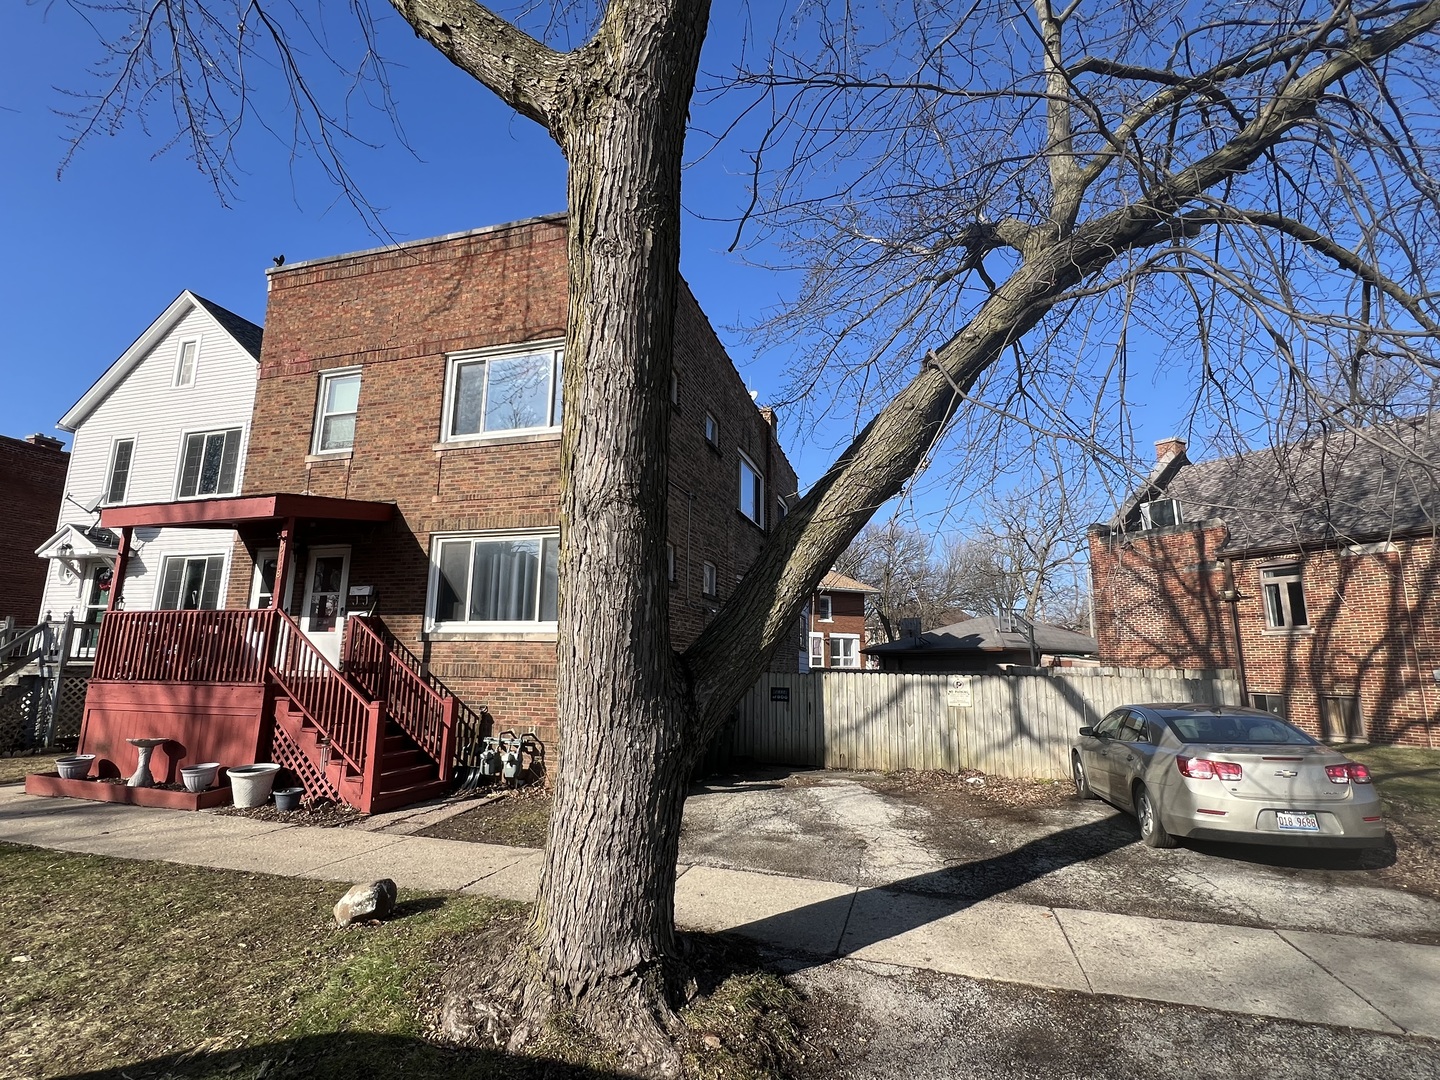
column 1013, row 724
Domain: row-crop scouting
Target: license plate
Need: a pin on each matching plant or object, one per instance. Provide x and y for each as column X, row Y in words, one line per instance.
column 1296, row 821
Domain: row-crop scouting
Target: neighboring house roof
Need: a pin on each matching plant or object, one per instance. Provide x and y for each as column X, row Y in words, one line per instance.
column 836, row 582
column 241, row 330
column 986, row 634
column 1345, row 485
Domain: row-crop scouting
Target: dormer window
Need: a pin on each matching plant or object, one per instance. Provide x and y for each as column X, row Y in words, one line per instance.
column 1160, row 513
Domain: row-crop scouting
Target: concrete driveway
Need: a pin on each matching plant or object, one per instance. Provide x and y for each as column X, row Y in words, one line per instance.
column 949, row 842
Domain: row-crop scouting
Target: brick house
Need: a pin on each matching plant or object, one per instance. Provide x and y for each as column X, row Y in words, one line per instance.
column 32, row 486
column 400, row 509
column 1311, row 569
column 837, row 622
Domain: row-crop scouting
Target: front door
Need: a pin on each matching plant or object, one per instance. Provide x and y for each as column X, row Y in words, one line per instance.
column 326, row 580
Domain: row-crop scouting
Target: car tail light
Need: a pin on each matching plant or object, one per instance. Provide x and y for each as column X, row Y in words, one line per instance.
column 1351, row 772
column 1205, row 769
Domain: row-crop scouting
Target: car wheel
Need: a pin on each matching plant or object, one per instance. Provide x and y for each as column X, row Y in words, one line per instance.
column 1082, row 782
column 1151, row 830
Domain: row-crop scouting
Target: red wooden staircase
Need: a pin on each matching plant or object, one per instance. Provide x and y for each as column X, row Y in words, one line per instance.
column 374, row 733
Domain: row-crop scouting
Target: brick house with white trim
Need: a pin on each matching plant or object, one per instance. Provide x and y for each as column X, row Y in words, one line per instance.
column 1311, row 569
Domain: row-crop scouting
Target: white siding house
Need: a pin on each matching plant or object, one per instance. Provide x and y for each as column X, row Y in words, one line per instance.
column 170, row 419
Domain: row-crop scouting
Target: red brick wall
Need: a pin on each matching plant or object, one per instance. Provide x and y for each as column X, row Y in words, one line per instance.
column 32, row 485
column 847, row 616
column 398, row 314
column 1374, row 623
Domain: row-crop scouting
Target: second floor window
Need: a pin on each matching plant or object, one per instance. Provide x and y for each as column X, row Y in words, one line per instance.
column 185, row 363
column 117, row 481
column 210, row 463
column 823, row 611
column 335, row 415
column 498, row 392
column 1284, row 593
column 752, row 492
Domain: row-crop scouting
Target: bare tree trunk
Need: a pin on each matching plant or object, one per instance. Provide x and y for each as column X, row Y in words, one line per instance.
column 603, row 926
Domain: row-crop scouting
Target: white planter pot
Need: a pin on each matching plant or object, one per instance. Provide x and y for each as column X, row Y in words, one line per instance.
column 250, row 784
column 74, row 767
column 199, row 777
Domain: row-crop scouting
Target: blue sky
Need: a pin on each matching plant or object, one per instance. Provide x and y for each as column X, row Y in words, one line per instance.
column 92, row 257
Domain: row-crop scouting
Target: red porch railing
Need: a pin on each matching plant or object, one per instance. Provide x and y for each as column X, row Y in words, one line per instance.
column 323, row 695
column 425, row 714
column 185, row 646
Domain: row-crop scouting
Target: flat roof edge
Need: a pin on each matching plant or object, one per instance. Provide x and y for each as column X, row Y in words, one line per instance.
column 388, row 248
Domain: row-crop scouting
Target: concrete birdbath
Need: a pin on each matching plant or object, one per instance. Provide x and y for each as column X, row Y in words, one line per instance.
column 142, row 777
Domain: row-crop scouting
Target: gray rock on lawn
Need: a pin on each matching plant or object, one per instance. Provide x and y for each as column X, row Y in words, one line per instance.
column 373, row 901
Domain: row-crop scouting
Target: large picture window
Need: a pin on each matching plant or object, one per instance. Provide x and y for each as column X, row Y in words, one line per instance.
column 210, row 463
column 499, row 392
column 490, row 581
column 191, row 582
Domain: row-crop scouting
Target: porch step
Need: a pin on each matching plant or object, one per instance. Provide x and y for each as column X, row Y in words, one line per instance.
column 394, row 800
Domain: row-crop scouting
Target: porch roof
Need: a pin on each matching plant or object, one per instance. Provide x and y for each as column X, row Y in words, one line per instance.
column 237, row 510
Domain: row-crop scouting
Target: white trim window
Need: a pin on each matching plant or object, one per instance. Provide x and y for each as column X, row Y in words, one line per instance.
column 117, row 477
column 187, row 356
column 845, row 650
column 209, row 463
column 670, row 562
column 494, row 581
column 191, row 582
column 817, row 650
column 752, row 491
column 709, row 581
column 1160, row 514
column 1284, row 592
column 336, row 405
column 712, row 430
column 824, row 612
column 507, row 391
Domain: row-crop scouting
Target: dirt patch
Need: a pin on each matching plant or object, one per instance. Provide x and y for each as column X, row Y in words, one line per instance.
column 322, row 815
column 1011, row 793
column 870, row 1022
column 518, row 818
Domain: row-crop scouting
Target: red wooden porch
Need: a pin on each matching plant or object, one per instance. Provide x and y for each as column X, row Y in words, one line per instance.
column 245, row 685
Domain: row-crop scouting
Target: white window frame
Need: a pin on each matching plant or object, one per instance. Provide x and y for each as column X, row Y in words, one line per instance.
column 326, row 378
column 709, row 581
column 185, row 437
column 1281, row 616
column 105, row 499
column 455, row 361
column 670, row 562
column 840, row 655
column 517, row 626
column 1147, row 515
column 817, row 650
column 758, row 489
column 824, row 608
column 711, row 429
column 256, row 580
column 221, row 587
column 176, row 380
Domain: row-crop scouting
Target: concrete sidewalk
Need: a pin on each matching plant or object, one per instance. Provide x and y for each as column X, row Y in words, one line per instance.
column 1343, row 980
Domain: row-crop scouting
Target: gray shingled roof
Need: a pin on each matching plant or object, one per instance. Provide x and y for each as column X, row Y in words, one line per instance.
column 1344, row 486
column 245, row 332
column 985, row 634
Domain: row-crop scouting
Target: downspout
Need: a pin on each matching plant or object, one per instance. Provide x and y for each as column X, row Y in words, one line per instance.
column 1231, row 595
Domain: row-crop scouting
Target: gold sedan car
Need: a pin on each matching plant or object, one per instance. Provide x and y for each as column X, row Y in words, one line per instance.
column 1214, row 772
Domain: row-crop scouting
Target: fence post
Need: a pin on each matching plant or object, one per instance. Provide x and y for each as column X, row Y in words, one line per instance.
column 58, row 692
column 374, row 748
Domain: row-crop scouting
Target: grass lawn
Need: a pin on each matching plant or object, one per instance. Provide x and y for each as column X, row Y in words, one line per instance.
column 15, row 767
column 140, row 971
column 1403, row 774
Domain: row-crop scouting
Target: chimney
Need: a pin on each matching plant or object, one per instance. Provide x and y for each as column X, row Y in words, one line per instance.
column 45, row 442
column 1173, row 445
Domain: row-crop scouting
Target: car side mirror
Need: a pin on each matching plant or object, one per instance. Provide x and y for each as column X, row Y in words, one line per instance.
column 1087, row 731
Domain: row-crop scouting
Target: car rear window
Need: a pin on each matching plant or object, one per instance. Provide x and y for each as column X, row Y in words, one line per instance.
column 1255, row 730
